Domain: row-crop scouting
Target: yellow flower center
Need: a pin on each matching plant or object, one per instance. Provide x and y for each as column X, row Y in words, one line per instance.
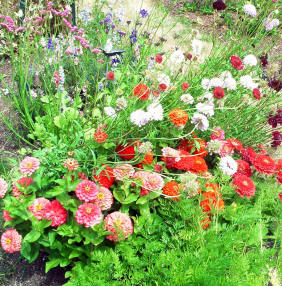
column 245, row 183
column 29, row 165
column 100, row 196
column 118, row 222
column 88, row 210
column 38, row 207
column 9, row 241
column 87, row 189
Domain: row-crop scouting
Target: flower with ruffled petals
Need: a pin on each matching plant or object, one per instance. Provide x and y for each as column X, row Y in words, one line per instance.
column 70, row 164
column 28, row 165
column 104, row 199
column 153, row 182
column 264, row 164
column 123, row 171
column 171, row 189
column 88, row 214
column 23, row 182
column 178, row 117
column 6, row 216
column 226, row 149
column 236, row 144
column 86, row 191
column 250, row 9
column 56, row 212
column 3, row 188
column 248, row 154
column 158, row 168
column 141, row 91
column 236, row 62
column 140, row 176
column 120, row 225
column 105, row 178
column 244, row 186
column 11, row 241
column 228, row 165
column 243, row 168
column 199, row 165
column 217, row 133
column 38, row 207
column 127, row 152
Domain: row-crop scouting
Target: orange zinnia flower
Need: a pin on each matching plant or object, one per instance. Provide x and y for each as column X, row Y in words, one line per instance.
column 171, row 189
column 178, row 117
column 141, row 91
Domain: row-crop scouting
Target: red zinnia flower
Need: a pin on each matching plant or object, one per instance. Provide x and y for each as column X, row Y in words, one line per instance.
column 110, row 76
column 244, row 186
column 105, row 178
column 184, row 85
column 100, row 136
column 211, row 201
column 264, row 164
column 236, row 62
column 148, row 158
column 236, row 144
column 218, row 92
column 127, row 152
column 188, row 145
column 248, row 154
column 56, row 213
column 199, row 165
column 141, row 91
column 243, row 168
column 162, row 87
column 256, row 93
column 159, row 58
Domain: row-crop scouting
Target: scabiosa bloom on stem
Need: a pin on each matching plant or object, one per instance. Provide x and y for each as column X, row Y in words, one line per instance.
column 256, row 93
column 144, row 13
column 23, row 182
column 6, row 216
column 38, row 207
column 56, row 212
column 219, row 5
column 236, row 62
column 153, row 182
column 250, row 10
column 28, row 165
column 104, row 199
column 228, row 165
column 250, row 60
column 178, row 117
column 3, row 188
column 122, row 172
column 200, row 121
column 11, row 241
column 244, row 186
column 171, row 189
column 264, row 164
column 86, row 191
column 70, row 164
column 120, row 225
column 88, row 214
column 139, row 117
column 155, row 111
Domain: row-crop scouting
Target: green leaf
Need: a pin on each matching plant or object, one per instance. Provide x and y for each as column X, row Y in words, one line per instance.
column 52, row 264
column 30, row 252
column 74, row 253
column 119, row 195
column 131, row 198
column 52, row 236
column 54, row 192
column 32, row 236
column 150, row 196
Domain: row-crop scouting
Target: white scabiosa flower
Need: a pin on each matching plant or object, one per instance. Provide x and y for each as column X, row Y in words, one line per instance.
column 228, row 165
column 270, row 24
column 197, row 47
column 121, row 103
column 250, row 60
column 250, row 10
column 206, row 108
column 225, row 75
column 216, row 82
column 229, row 84
column 155, row 111
column 187, row 98
column 205, row 83
column 247, row 82
column 200, row 121
column 207, row 96
column 110, row 111
column 139, row 118
column 163, row 78
column 177, row 57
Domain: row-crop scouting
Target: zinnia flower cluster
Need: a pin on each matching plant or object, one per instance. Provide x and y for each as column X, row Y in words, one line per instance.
column 86, row 191
column 38, row 207
column 56, row 212
column 244, row 186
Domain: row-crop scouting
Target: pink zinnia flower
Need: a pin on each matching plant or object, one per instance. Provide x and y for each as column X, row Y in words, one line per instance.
column 141, row 175
column 23, row 182
column 3, row 188
column 123, row 171
column 153, row 182
column 28, row 165
column 56, row 213
column 39, row 207
column 6, row 216
column 104, row 199
column 86, row 191
column 120, row 224
column 71, row 164
column 226, row 149
column 217, row 133
column 88, row 214
column 11, row 241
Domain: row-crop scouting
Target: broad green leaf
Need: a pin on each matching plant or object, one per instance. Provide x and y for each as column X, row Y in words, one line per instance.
column 52, row 264
column 32, row 236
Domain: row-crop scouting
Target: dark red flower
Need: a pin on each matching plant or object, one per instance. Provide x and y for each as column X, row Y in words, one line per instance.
column 189, row 56
column 218, row 92
column 162, row 87
column 236, row 62
column 219, row 5
column 185, row 85
column 110, row 76
column 127, row 152
column 159, row 58
column 256, row 93
column 276, row 139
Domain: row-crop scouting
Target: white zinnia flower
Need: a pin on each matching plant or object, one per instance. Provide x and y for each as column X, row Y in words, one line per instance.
column 205, row 83
column 228, row 165
column 250, row 10
column 177, row 57
column 110, row 112
column 206, row 108
column 248, row 82
column 200, row 121
column 155, row 111
column 187, row 98
column 229, row 83
column 139, row 117
column 216, row 82
column 197, row 47
column 250, row 60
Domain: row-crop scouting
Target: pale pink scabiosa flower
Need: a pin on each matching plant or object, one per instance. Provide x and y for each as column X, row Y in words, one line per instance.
column 28, row 165
column 86, row 191
column 56, row 212
column 217, row 133
column 3, row 188
column 11, row 240
column 120, row 224
column 153, row 182
column 88, row 215
column 71, row 164
column 104, row 199
column 228, row 165
column 201, row 122
column 250, row 10
column 38, row 207
column 122, row 172
column 6, row 216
